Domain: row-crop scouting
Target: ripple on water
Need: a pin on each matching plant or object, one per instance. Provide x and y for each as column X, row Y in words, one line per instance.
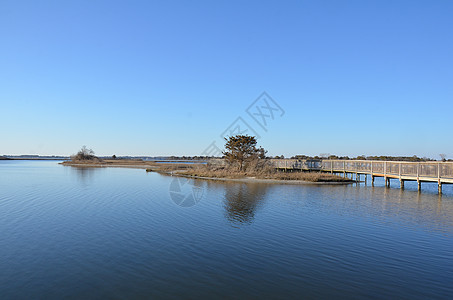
column 117, row 233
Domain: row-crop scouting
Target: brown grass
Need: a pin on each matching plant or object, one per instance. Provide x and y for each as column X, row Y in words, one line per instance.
column 126, row 162
column 132, row 163
column 174, row 166
column 97, row 161
column 308, row 176
column 257, row 169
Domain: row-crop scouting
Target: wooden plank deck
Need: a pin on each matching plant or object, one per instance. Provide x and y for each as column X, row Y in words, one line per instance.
column 439, row 172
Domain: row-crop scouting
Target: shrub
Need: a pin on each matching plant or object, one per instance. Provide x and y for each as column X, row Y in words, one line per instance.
column 85, row 154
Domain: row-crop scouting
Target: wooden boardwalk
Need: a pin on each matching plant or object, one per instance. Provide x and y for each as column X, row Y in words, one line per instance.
column 439, row 172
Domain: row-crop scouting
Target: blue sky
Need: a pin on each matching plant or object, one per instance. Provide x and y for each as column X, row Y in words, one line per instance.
column 168, row 77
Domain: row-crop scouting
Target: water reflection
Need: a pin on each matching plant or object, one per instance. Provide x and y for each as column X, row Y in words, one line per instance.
column 428, row 211
column 241, row 202
column 85, row 175
column 432, row 211
column 68, row 231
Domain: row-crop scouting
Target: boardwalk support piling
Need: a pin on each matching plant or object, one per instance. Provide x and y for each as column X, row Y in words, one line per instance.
column 439, row 172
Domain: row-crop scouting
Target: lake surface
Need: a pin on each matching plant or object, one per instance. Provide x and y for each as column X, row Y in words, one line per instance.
column 124, row 234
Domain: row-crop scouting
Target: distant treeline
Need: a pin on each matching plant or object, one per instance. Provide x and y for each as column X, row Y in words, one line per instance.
column 187, row 157
column 363, row 157
column 307, row 157
column 33, row 157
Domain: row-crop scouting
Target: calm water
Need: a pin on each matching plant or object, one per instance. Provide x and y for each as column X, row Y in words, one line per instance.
column 118, row 233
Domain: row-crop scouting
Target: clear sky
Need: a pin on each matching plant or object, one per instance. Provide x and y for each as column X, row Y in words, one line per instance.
column 168, row 77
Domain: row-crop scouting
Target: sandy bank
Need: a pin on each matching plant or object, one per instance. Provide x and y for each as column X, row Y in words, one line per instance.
column 107, row 165
column 256, row 180
column 154, row 167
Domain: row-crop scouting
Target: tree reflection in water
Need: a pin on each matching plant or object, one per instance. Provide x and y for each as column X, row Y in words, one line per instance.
column 84, row 175
column 242, row 200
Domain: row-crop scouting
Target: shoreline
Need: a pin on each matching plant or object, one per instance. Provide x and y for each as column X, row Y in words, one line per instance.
column 107, row 165
column 259, row 180
column 154, row 168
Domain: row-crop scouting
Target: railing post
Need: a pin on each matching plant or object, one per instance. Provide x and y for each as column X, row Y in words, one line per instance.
column 439, row 182
column 419, row 184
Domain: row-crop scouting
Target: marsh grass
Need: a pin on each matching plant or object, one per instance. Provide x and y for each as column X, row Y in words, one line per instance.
column 309, row 176
column 260, row 169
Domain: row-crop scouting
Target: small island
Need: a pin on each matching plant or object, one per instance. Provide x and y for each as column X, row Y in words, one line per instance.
column 243, row 161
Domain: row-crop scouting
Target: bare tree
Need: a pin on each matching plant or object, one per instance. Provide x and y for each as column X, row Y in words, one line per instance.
column 443, row 157
column 84, row 154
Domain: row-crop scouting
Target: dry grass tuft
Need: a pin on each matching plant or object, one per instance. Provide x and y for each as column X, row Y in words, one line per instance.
column 77, row 160
column 308, row 176
column 260, row 169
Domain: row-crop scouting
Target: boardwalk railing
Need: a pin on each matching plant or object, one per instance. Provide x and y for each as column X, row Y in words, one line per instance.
column 440, row 172
column 421, row 169
column 297, row 164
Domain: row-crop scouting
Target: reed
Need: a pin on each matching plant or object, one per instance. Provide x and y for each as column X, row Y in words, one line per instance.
column 260, row 169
